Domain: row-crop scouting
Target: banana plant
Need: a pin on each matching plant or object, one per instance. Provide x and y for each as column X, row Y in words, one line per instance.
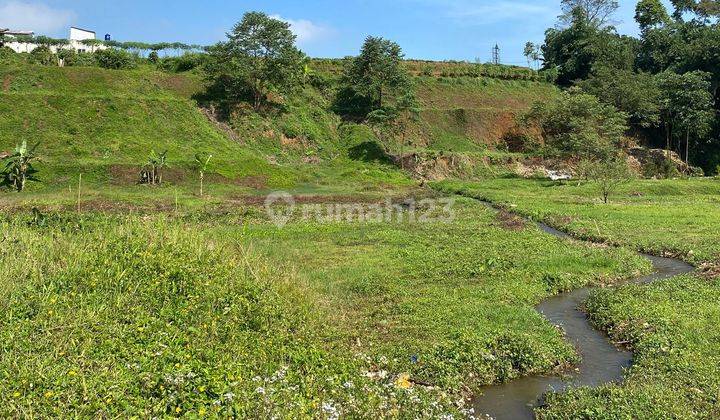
column 19, row 167
column 152, row 171
column 202, row 162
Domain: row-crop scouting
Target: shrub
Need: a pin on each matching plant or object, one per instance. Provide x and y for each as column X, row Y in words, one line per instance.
column 7, row 54
column 68, row 56
column 116, row 59
column 660, row 168
column 43, row 55
column 185, row 62
column 85, row 60
column 19, row 167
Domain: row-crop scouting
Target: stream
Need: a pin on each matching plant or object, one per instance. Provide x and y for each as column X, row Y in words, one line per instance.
column 602, row 362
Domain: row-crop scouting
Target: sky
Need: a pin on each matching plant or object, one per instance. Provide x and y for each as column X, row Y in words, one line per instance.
column 425, row 29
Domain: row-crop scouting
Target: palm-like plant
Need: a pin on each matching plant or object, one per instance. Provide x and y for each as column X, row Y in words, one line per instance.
column 19, row 167
column 202, row 162
column 152, row 171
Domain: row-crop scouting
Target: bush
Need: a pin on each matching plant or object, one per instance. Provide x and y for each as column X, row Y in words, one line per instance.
column 43, row 55
column 116, row 59
column 660, row 168
column 185, row 62
column 85, row 60
column 68, row 56
column 7, row 54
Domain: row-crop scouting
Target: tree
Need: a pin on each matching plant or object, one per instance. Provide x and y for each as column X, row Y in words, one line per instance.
column 705, row 9
column 202, row 161
column 532, row 53
column 598, row 13
column 650, row 14
column 19, row 167
column 576, row 50
column 636, row 94
column 686, row 104
column 259, row 57
column 373, row 79
column 393, row 121
column 609, row 175
column 578, row 125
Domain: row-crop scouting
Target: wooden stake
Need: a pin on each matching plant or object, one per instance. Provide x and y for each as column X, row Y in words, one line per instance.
column 78, row 196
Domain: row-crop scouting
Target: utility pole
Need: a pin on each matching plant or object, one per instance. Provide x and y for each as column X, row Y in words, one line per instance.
column 496, row 54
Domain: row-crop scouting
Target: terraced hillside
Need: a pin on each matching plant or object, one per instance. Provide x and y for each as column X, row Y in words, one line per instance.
column 104, row 124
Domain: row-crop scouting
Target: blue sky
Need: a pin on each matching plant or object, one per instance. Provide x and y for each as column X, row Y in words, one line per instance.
column 426, row 29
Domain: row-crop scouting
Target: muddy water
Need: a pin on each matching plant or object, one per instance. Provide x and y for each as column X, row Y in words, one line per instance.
column 602, row 362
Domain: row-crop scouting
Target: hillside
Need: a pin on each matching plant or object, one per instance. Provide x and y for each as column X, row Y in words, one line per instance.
column 104, row 123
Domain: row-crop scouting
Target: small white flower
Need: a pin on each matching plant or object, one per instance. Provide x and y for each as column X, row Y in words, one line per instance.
column 260, row 390
column 331, row 411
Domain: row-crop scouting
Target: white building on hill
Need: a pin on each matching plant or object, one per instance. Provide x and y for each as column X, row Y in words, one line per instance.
column 75, row 42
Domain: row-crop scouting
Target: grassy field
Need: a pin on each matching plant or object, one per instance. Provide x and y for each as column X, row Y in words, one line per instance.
column 200, row 306
column 199, row 314
column 669, row 324
column 671, row 217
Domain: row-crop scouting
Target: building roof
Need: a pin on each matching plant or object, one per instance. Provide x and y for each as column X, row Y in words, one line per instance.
column 9, row 32
column 81, row 29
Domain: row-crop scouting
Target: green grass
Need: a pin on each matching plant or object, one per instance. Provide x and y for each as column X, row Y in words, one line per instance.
column 459, row 296
column 670, row 324
column 159, row 315
column 103, row 124
column 677, row 217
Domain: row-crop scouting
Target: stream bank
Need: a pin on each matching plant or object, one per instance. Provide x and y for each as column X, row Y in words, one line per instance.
column 601, row 361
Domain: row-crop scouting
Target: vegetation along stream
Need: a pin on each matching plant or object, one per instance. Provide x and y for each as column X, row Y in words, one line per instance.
column 602, row 361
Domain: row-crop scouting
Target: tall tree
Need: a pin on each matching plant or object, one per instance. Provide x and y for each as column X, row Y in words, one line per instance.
column 391, row 122
column 574, row 51
column 597, row 12
column 636, row 94
column 687, row 105
column 651, row 14
column 259, row 57
column 704, row 9
column 577, row 124
column 377, row 75
column 532, row 53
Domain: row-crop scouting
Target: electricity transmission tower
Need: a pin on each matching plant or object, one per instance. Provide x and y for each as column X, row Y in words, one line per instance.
column 496, row 54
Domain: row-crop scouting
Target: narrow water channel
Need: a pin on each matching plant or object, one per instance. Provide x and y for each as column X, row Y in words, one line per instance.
column 602, row 362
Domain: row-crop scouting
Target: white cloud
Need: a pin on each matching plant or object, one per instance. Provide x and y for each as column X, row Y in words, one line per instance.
column 36, row 17
column 305, row 30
